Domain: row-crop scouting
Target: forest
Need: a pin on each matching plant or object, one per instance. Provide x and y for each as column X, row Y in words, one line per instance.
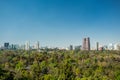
column 59, row 65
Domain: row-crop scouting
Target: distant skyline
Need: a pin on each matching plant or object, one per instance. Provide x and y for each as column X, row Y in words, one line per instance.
column 59, row 23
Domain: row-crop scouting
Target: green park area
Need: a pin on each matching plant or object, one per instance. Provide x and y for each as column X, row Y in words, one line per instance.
column 59, row 65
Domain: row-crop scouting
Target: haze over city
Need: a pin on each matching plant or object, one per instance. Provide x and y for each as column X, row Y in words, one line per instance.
column 59, row 22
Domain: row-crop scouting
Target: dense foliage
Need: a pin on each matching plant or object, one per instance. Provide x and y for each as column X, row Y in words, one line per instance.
column 60, row 65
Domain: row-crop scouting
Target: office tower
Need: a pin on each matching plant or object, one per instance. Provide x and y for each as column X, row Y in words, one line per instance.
column 71, row 47
column 12, row 46
column 111, row 46
column 27, row 46
column 86, row 44
column 117, row 46
column 6, row 45
column 37, row 45
column 97, row 46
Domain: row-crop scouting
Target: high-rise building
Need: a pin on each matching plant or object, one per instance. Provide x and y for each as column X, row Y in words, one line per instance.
column 117, row 46
column 6, row 45
column 97, row 46
column 71, row 47
column 86, row 44
column 111, row 46
column 27, row 46
column 37, row 45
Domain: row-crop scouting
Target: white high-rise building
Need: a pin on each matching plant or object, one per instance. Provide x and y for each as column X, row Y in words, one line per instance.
column 37, row 45
column 27, row 46
column 117, row 46
column 111, row 46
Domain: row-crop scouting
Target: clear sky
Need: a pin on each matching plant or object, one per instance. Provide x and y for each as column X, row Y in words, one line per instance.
column 59, row 22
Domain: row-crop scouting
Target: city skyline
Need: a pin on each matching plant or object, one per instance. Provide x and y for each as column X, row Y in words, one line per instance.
column 86, row 45
column 59, row 22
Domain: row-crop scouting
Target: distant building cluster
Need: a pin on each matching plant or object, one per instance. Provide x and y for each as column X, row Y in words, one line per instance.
column 86, row 45
column 26, row 46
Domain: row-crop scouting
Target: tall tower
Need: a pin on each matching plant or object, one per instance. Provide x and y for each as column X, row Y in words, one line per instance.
column 37, row 46
column 27, row 46
column 97, row 46
column 71, row 47
column 6, row 45
column 86, row 44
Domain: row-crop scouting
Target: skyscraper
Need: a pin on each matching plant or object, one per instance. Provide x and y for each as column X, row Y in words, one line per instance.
column 86, row 44
column 27, row 46
column 117, row 46
column 111, row 46
column 37, row 45
column 71, row 47
column 97, row 46
column 6, row 45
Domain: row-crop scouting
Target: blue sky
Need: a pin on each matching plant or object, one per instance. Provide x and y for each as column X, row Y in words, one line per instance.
column 59, row 22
